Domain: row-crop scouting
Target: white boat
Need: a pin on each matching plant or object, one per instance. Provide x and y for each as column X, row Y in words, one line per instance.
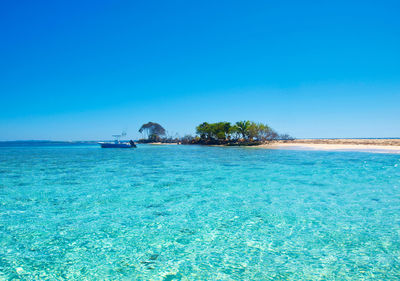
column 117, row 143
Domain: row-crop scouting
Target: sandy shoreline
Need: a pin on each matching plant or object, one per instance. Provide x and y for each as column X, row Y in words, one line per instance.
column 392, row 142
column 364, row 145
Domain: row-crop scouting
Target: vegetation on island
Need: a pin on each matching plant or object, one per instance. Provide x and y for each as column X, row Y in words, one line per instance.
column 220, row 133
column 241, row 133
column 154, row 132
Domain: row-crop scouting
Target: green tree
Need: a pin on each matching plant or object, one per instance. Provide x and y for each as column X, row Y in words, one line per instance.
column 204, row 130
column 266, row 133
column 224, row 131
column 220, row 130
column 242, row 128
column 234, row 132
column 153, row 130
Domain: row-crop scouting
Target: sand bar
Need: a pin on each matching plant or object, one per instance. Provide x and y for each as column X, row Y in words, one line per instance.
column 364, row 145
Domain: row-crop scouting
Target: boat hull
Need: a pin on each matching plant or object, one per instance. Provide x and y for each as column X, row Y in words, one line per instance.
column 116, row 145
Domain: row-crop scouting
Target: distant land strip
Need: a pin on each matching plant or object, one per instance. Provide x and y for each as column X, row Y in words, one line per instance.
column 356, row 141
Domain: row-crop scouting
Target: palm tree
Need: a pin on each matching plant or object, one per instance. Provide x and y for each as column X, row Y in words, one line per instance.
column 242, row 127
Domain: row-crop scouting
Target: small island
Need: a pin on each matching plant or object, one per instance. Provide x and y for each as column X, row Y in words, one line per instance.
column 241, row 133
column 249, row 133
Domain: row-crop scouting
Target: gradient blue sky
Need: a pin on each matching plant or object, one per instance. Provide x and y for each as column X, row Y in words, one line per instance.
column 83, row 70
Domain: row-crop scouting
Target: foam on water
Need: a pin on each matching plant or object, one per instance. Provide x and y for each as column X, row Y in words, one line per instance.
column 198, row 213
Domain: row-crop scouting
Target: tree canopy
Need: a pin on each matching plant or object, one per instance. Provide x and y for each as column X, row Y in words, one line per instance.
column 217, row 131
column 240, row 133
column 244, row 131
column 153, row 130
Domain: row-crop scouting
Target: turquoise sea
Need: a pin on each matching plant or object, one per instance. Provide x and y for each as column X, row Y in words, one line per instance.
column 79, row 212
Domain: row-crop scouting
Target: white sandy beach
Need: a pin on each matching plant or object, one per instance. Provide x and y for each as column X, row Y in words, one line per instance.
column 335, row 147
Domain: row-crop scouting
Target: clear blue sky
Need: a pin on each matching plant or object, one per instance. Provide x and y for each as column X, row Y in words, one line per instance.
column 72, row 70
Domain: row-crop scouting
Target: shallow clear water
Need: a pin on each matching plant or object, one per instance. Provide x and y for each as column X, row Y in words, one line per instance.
column 198, row 213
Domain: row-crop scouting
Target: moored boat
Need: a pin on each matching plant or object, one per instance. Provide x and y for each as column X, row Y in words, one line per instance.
column 117, row 143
